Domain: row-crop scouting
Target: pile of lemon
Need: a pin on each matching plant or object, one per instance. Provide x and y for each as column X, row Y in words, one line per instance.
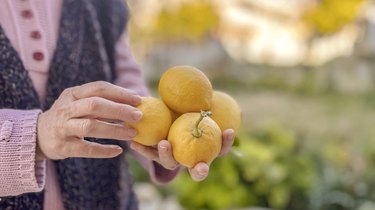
column 190, row 115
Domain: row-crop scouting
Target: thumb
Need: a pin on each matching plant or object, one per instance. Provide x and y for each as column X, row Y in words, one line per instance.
column 199, row 172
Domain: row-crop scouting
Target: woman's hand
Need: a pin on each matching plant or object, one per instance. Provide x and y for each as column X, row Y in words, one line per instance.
column 163, row 155
column 84, row 111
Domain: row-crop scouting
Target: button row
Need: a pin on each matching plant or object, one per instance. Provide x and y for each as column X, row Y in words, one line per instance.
column 36, row 35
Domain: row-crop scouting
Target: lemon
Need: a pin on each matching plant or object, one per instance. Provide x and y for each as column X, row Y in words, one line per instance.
column 225, row 111
column 155, row 122
column 195, row 138
column 185, row 89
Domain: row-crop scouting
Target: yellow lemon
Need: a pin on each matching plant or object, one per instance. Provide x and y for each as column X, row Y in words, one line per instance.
column 185, row 89
column 155, row 122
column 225, row 111
column 195, row 138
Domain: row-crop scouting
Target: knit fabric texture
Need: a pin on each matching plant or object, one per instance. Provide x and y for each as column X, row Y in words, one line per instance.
column 17, row 142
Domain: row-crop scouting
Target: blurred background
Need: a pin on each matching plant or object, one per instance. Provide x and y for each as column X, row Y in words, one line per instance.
column 303, row 72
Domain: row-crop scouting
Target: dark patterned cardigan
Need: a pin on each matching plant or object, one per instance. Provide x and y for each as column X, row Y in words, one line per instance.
column 85, row 52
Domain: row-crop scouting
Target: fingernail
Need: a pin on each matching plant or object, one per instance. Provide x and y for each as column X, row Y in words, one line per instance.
column 119, row 149
column 132, row 132
column 163, row 147
column 137, row 115
column 231, row 135
column 137, row 99
column 202, row 173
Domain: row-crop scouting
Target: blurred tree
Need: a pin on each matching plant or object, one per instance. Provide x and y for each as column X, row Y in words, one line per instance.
column 329, row 16
column 192, row 20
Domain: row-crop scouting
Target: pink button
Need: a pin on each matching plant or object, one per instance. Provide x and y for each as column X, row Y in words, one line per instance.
column 35, row 35
column 38, row 56
column 26, row 14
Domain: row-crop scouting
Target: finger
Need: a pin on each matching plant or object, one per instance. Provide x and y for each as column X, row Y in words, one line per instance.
column 86, row 149
column 93, row 128
column 148, row 152
column 105, row 90
column 97, row 107
column 166, row 156
column 228, row 139
column 199, row 172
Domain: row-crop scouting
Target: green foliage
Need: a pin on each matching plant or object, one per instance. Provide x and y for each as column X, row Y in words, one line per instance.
column 263, row 170
column 347, row 177
column 190, row 21
column 329, row 16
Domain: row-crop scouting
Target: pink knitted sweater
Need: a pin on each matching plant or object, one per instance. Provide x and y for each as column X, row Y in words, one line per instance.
column 32, row 27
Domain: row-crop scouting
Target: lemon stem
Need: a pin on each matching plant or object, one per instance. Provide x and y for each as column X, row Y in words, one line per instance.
column 198, row 132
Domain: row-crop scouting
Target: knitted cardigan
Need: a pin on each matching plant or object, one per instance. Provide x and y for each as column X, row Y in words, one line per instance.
column 85, row 52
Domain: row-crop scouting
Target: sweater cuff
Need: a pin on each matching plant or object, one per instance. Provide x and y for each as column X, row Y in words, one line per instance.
column 160, row 175
column 19, row 171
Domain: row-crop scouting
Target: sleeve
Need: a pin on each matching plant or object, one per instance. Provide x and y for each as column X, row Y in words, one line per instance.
column 130, row 76
column 158, row 174
column 20, row 172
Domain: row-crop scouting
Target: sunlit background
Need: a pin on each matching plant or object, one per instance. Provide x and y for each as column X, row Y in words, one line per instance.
column 303, row 72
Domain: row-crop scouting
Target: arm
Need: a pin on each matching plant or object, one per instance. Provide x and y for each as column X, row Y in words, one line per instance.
column 20, row 172
column 130, row 76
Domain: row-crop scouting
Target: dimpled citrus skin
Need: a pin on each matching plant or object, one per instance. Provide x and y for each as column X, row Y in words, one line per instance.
column 225, row 111
column 189, row 150
column 155, row 123
column 185, row 89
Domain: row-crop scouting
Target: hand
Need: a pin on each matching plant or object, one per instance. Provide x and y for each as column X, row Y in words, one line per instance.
column 163, row 155
column 82, row 111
